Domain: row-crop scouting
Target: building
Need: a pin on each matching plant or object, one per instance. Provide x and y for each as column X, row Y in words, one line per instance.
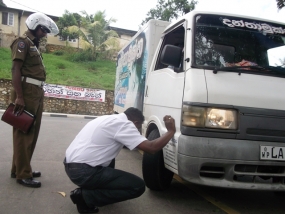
column 12, row 24
column 124, row 35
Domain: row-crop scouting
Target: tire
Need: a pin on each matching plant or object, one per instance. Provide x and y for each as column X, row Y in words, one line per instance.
column 155, row 175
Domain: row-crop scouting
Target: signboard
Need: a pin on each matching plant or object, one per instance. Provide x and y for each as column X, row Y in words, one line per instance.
column 74, row 93
column 239, row 22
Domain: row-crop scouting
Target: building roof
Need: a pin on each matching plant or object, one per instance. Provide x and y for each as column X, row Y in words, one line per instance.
column 26, row 12
column 121, row 31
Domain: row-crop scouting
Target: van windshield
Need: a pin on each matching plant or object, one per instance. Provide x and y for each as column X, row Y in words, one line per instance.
column 236, row 42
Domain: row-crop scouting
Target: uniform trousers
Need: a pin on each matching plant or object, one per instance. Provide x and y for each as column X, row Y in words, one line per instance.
column 104, row 185
column 24, row 144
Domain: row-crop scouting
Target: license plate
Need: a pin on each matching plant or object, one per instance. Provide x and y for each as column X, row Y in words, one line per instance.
column 272, row 153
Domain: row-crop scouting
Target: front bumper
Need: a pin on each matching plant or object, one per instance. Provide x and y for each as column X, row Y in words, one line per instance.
column 229, row 163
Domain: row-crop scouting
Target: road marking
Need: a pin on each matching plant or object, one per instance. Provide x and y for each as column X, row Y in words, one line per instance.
column 209, row 198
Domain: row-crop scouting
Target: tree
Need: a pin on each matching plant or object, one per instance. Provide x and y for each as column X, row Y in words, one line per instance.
column 169, row 9
column 97, row 34
column 66, row 25
column 93, row 29
column 280, row 4
column 2, row 3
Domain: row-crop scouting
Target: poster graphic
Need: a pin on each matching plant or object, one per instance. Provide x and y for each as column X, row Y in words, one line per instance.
column 131, row 74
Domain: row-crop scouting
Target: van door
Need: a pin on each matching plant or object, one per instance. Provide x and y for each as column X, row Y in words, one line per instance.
column 164, row 92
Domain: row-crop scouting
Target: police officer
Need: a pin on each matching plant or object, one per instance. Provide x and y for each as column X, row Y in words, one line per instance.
column 28, row 76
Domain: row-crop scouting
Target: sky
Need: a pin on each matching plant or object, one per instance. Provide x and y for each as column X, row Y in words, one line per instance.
column 130, row 13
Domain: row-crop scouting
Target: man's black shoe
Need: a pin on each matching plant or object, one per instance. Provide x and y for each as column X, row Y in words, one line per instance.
column 29, row 182
column 35, row 174
column 77, row 198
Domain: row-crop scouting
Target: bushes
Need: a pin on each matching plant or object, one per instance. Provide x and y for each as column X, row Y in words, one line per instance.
column 82, row 56
column 58, row 52
column 87, row 55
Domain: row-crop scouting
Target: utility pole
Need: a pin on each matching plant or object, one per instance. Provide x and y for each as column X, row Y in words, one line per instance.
column 79, row 24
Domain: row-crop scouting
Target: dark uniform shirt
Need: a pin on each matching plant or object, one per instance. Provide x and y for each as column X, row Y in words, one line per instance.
column 25, row 50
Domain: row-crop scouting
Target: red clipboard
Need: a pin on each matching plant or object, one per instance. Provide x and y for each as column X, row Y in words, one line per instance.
column 22, row 122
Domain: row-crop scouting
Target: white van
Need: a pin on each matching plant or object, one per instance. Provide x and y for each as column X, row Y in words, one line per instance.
column 222, row 77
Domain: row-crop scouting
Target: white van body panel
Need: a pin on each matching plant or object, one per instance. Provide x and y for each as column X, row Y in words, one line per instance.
column 245, row 90
column 195, row 87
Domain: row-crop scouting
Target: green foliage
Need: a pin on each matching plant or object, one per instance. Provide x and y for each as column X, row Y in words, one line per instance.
column 280, row 4
column 58, row 52
column 99, row 74
column 65, row 22
column 61, row 71
column 93, row 29
column 170, row 9
column 98, row 36
column 82, row 56
column 5, row 63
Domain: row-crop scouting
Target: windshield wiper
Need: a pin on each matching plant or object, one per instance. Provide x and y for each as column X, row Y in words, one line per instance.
column 238, row 69
column 275, row 69
column 251, row 69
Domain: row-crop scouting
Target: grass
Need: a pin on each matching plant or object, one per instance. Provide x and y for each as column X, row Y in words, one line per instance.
column 5, row 63
column 98, row 75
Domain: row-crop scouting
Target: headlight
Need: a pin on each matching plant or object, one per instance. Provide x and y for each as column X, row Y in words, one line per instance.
column 221, row 118
column 209, row 117
column 193, row 116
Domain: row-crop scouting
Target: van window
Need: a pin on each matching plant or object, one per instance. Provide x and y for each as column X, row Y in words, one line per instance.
column 225, row 41
column 175, row 37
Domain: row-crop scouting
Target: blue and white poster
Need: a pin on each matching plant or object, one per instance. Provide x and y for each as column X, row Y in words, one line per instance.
column 131, row 74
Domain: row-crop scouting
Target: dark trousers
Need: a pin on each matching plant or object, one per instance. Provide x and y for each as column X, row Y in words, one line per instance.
column 104, row 185
column 24, row 144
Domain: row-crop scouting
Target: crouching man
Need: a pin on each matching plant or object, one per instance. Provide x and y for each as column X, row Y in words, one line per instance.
column 89, row 160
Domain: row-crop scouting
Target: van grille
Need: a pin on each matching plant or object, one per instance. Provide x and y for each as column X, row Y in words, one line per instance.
column 247, row 173
column 266, row 132
column 259, row 173
column 212, row 172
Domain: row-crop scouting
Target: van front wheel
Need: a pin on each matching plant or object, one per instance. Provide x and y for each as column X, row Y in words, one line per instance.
column 155, row 175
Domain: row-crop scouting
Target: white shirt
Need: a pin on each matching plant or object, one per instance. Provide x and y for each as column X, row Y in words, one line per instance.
column 102, row 139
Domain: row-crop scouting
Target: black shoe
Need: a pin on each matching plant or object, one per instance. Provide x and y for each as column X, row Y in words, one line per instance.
column 35, row 174
column 29, row 182
column 76, row 197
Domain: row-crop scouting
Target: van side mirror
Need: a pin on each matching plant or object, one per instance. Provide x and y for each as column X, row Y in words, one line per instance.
column 171, row 55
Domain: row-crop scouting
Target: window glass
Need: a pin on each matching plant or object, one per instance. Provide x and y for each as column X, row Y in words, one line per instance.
column 4, row 18
column 175, row 37
column 238, row 42
column 7, row 18
column 10, row 19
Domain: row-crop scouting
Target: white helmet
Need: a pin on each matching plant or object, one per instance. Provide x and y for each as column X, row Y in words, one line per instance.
column 36, row 19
